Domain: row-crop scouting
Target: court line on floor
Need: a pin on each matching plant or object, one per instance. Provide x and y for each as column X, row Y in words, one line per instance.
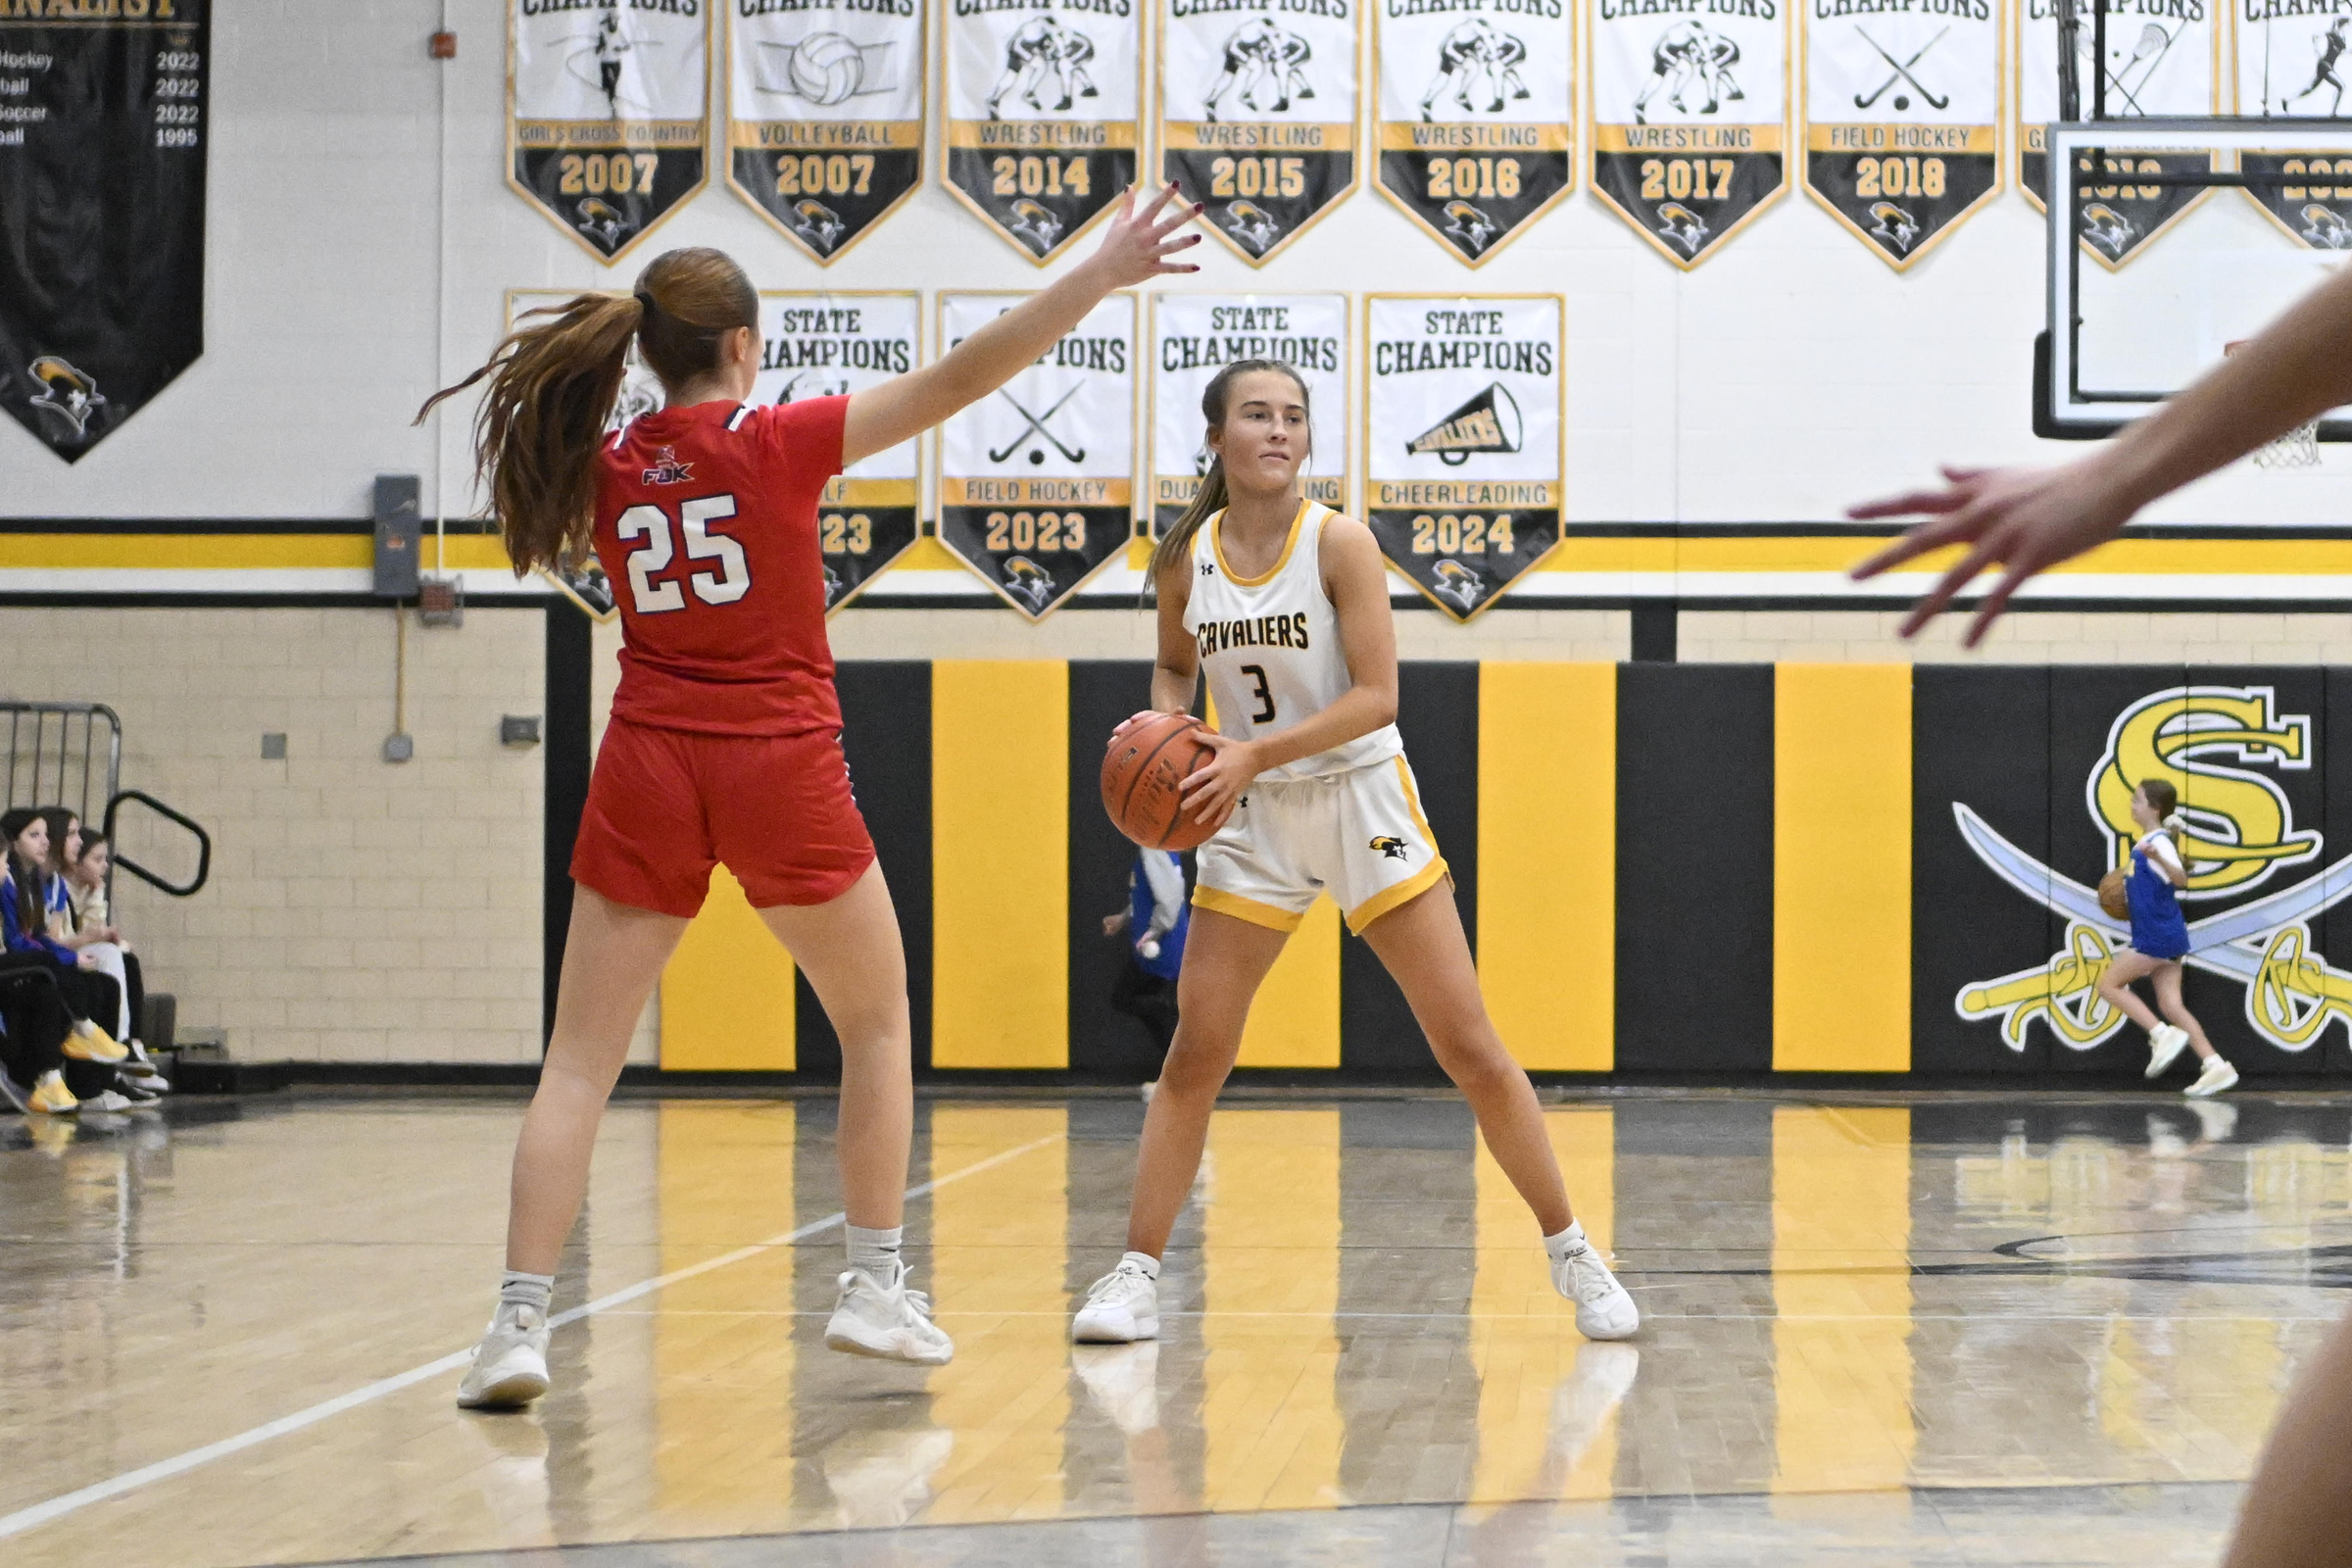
column 41, row 1513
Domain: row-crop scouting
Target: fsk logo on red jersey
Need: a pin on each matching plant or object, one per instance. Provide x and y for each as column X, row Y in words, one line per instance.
column 667, row 469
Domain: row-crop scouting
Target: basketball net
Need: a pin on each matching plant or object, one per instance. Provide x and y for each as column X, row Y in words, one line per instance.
column 2298, row 448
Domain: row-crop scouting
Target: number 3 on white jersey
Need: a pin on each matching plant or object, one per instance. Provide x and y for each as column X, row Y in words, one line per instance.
column 652, row 525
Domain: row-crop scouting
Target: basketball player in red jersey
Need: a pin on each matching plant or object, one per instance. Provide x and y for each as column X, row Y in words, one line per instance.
column 724, row 739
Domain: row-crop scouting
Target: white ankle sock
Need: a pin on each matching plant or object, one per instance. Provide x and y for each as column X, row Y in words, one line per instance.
column 877, row 1251
column 525, row 1289
column 1143, row 1260
column 1571, row 1240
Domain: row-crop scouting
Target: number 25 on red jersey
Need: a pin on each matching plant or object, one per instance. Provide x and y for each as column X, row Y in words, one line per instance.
column 650, row 522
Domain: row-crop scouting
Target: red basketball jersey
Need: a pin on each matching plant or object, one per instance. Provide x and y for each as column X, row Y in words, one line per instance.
column 705, row 524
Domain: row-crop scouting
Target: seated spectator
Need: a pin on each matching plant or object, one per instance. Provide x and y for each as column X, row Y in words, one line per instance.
column 103, row 940
column 90, row 1053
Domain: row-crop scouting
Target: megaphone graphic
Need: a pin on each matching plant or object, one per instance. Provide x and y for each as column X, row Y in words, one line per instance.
column 1488, row 423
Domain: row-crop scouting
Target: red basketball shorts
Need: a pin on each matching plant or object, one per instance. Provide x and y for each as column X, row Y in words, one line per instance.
column 666, row 804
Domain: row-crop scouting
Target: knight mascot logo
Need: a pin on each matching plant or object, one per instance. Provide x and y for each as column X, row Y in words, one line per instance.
column 66, row 395
column 1029, row 582
column 2221, row 748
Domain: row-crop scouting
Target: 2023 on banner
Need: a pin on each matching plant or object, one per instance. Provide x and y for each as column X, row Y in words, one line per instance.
column 1463, row 457
column 1037, row 480
column 1194, row 336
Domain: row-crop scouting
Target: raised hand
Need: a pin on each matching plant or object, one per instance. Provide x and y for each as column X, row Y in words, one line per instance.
column 1138, row 241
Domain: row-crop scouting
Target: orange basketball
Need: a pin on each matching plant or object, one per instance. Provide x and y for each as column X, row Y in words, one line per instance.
column 1142, row 779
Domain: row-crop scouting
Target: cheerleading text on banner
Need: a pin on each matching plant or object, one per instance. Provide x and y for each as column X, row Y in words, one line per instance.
column 1463, row 455
column 606, row 114
column 1689, row 119
column 825, row 345
column 825, row 114
column 1037, row 480
column 1044, row 112
column 2291, row 65
column 2163, row 58
column 1476, row 115
column 1258, row 113
column 1902, row 118
column 1194, row 336
column 102, row 164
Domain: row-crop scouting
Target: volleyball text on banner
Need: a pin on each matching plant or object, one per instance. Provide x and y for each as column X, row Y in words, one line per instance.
column 821, row 345
column 2291, row 64
column 1194, row 336
column 1462, row 453
column 606, row 114
column 102, row 162
column 1258, row 113
column 1045, row 111
column 2162, row 59
column 1037, row 480
column 1690, row 117
column 1477, row 116
column 1902, row 118
column 825, row 114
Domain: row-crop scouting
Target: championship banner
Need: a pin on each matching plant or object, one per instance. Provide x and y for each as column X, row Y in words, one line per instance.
column 1689, row 119
column 1195, row 336
column 1045, row 113
column 825, row 113
column 606, row 114
column 1902, row 117
column 2163, row 58
column 102, row 164
column 1464, row 446
column 1037, row 480
column 2290, row 65
column 1258, row 113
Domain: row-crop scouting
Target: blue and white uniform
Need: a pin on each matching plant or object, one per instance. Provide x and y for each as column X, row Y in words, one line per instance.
column 1156, row 911
column 2158, row 930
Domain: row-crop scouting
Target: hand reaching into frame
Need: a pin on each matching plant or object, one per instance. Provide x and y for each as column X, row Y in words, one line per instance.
column 1138, row 241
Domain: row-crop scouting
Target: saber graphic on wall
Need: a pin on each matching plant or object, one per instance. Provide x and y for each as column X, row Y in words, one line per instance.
column 1194, row 336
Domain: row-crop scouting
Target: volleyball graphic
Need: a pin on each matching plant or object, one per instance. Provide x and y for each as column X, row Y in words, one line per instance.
column 826, row 67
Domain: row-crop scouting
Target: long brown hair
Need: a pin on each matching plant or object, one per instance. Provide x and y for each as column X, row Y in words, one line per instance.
column 553, row 385
column 1178, row 540
column 33, row 899
column 2166, row 802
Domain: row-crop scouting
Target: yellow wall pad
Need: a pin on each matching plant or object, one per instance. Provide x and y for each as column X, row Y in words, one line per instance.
column 1000, row 864
column 1294, row 1019
column 1548, row 866
column 1841, row 869
column 727, row 995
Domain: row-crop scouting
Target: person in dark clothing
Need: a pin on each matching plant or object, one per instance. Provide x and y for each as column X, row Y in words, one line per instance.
column 1157, row 917
column 90, row 1053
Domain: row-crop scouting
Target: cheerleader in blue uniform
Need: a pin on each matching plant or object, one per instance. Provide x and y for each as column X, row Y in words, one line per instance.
column 2159, row 942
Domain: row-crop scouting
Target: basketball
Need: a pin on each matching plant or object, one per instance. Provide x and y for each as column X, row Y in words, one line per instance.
column 1143, row 777
column 2111, row 897
column 827, row 69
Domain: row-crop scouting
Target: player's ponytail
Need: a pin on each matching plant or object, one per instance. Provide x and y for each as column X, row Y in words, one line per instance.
column 1177, row 543
column 553, row 385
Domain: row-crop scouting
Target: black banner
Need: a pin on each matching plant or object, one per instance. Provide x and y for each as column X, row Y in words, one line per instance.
column 2318, row 215
column 1902, row 201
column 102, row 138
column 2119, row 217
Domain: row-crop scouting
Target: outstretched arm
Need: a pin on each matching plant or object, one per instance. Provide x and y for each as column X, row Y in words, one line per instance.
column 1137, row 246
column 2030, row 519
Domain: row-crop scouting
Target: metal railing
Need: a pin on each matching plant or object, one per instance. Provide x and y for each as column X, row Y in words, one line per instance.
column 71, row 754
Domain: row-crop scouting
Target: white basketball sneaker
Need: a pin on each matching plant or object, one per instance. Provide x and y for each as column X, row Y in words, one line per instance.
column 1603, row 1310
column 510, row 1365
column 2165, row 1042
column 1121, row 1307
column 2216, row 1076
column 887, row 1321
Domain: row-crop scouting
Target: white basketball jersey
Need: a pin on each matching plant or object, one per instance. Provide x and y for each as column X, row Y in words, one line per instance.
column 1271, row 645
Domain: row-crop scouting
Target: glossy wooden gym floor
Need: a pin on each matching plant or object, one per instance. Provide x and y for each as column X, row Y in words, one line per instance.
column 1930, row 1329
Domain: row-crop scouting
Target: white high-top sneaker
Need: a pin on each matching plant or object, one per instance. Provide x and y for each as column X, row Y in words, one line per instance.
column 887, row 1321
column 2216, row 1076
column 1121, row 1307
column 510, row 1365
column 1603, row 1310
column 2165, row 1042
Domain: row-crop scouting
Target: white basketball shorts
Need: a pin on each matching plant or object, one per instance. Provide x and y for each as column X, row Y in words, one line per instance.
column 1359, row 836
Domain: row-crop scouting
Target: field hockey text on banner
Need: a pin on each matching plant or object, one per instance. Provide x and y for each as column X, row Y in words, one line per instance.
column 1477, row 117
column 1194, row 336
column 1689, row 119
column 606, row 117
column 2288, row 67
column 1902, row 118
column 1037, row 480
column 1045, row 113
column 1462, row 439
column 1257, row 113
column 825, row 116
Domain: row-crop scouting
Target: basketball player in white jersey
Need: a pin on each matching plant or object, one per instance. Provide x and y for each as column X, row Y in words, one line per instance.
column 1286, row 603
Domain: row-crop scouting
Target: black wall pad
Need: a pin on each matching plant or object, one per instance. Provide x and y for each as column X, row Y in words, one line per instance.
column 565, row 763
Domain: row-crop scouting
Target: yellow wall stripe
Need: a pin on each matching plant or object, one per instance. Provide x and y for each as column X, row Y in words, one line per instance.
column 1295, row 1019
column 1841, row 869
column 1000, row 864
column 229, row 551
column 727, row 995
column 1548, row 861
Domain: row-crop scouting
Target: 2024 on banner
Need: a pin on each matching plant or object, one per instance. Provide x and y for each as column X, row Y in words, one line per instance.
column 1194, row 336
column 2290, row 65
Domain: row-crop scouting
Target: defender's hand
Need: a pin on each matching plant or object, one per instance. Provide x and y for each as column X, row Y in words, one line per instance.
column 1212, row 790
column 1138, row 241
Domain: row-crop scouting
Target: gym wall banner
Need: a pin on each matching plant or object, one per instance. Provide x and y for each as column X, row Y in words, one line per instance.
column 1690, row 118
column 606, row 112
column 1477, row 117
column 1045, row 113
column 102, row 164
column 1037, row 480
column 1463, row 442
column 1195, row 336
column 1258, row 113
column 1902, row 118
column 2163, row 58
column 825, row 114
column 2291, row 67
